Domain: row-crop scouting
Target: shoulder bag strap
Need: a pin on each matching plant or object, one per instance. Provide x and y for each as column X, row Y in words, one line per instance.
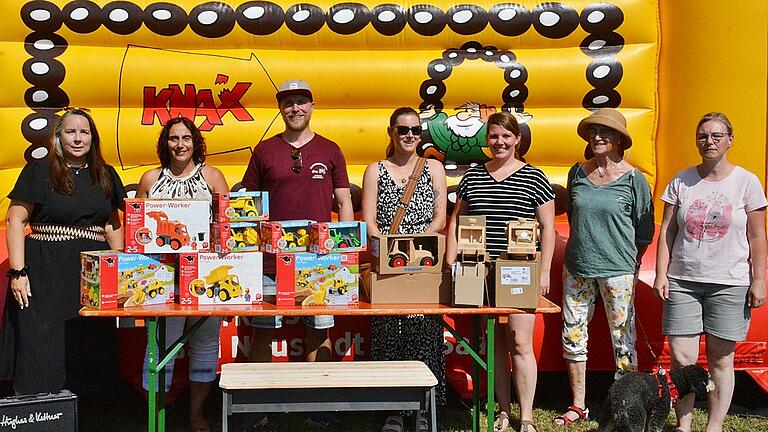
column 409, row 189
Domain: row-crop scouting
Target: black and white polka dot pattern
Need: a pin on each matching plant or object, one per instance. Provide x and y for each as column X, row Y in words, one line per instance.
column 348, row 18
column 260, row 17
column 82, row 16
column 212, row 19
column 602, row 44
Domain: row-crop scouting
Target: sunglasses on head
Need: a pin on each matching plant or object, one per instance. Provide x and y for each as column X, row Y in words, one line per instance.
column 296, row 157
column 403, row 130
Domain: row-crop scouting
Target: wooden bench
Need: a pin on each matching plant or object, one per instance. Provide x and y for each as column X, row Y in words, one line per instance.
column 327, row 386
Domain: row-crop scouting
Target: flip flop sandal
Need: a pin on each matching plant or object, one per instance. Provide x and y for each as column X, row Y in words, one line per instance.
column 501, row 424
column 583, row 415
column 393, row 424
column 528, row 426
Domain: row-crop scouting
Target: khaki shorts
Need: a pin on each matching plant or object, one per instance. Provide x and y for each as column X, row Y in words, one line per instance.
column 696, row 307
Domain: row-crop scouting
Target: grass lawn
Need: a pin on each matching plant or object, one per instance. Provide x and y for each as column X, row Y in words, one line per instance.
column 123, row 410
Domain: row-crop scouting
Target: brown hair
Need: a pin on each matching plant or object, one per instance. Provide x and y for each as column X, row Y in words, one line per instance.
column 198, row 142
column 504, row 119
column 60, row 175
column 396, row 114
column 716, row 116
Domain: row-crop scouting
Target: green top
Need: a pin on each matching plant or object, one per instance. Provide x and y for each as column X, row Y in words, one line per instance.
column 607, row 223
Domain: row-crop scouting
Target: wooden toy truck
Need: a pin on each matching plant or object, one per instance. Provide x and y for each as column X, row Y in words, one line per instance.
column 522, row 236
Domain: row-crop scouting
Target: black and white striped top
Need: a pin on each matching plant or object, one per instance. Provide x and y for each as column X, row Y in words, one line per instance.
column 517, row 196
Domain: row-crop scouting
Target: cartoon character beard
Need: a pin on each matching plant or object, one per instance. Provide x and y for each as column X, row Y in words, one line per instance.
column 464, row 128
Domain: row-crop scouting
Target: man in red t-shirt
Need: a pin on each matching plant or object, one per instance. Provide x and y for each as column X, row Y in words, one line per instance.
column 304, row 173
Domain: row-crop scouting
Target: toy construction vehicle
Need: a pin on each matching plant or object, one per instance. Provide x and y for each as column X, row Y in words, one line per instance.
column 219, row 283
column 342, row 239
column 245, row 237
column 522, row 236
column 154, row 288
column 403, row 253
column 292, row 239
column 169, row 232
column 242, row 207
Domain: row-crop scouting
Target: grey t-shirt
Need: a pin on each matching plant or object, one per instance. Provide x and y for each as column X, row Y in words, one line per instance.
column 607, row 223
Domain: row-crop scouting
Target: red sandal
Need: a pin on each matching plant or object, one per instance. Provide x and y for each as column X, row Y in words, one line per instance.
column 583, row 415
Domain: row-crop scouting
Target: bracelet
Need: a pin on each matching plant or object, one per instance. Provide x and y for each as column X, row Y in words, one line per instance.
column 14, row 273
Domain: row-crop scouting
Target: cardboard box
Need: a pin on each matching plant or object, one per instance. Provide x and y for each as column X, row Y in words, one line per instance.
column 334, row 237
column 235, row 237
column 246, row 206
column 468, row 287
column 406, row 288
column 112, row 279
column 209, row 278
column 312, row 279
column 166, row 226
column 285, row 236
column 407, row 253
column 518, row 283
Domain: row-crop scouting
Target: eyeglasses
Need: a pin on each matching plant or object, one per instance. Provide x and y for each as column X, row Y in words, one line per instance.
column 296, row 156
column 602, row 131
column 716, row 137
column 403, row 130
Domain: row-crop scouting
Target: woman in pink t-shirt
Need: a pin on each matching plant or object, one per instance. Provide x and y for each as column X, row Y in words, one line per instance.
column 710, row 263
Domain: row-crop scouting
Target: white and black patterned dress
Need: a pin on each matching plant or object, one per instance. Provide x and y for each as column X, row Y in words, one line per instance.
column 411, row 337
column 192, row 186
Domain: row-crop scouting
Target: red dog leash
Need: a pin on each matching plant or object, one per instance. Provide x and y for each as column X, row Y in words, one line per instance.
column 673, row 394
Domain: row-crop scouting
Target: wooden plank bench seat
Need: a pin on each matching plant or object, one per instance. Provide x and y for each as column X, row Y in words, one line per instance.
column 327, row 386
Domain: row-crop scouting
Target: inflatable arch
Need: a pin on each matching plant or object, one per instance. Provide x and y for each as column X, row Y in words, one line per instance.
column 137, row 63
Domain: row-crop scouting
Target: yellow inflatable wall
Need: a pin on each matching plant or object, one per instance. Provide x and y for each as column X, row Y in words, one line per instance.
column 137, row 63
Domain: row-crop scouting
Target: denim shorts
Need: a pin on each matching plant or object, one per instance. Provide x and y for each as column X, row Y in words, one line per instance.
column 318, row 322
column 696, row 307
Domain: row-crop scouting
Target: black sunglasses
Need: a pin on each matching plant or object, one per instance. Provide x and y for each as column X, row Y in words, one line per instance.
column 403, row 130
column 296, row 156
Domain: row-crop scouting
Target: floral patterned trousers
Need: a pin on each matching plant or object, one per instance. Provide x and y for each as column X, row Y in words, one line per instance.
column 579, row 299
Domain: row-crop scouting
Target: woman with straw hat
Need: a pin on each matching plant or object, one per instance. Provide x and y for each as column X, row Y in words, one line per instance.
column 611, row 224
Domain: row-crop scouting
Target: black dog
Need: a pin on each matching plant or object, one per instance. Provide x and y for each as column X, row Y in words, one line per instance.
column 641, row 402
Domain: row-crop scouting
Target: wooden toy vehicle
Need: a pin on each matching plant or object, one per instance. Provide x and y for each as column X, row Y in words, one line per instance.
column 471, row 238
column 218, row 283
column 402, row 253
column 522, row 236
column 169, row 232
column 248, row 236
column 242, row 207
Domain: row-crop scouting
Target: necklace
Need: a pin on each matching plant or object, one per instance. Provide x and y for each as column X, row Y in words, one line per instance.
column 403, row 178
column 77, row 168
column 601, row 173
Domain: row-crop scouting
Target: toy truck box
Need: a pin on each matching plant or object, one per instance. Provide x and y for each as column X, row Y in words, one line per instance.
column 413, row 288
column 166, row 226
column 332, row 237
column 246, row 206
column 312, row 279
column 517, row 282
column 112, row 279
column 235, row 237
column 407, row 253
column 285, row 236
column 210, row 278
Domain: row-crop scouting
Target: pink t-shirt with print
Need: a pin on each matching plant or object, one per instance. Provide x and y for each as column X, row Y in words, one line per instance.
column 711, row 243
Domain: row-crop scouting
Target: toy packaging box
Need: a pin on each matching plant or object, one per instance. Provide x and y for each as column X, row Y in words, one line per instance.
column 285, row 236
column 247, row 206
column 468, row 287
column 406, row 288
column 210, row 278
column 112, row 279
column 166, row 226
column 407, row 253
column 331, row 237
column 312, row 279
column 235, row 237
column 518, row 282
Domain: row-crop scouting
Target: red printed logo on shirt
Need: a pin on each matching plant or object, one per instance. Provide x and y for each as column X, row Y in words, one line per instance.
column 708, row 219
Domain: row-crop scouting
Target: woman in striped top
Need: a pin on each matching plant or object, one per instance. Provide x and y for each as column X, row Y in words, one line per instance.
column 503, row 189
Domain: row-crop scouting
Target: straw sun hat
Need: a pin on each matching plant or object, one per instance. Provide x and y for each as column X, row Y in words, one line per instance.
column 608, row 117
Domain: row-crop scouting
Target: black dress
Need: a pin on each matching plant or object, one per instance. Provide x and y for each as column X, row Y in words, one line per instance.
column 54, row 347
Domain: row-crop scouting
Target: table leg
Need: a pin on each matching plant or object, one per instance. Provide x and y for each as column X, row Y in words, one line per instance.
column 477, row 405
column 491, row 371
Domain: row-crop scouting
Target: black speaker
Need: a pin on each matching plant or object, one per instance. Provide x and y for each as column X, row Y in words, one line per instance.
column 39, row 412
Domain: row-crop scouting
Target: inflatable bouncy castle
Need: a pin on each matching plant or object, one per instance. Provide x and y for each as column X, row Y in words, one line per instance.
column 138, row 63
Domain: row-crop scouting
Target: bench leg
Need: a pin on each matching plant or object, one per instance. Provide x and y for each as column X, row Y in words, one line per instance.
column 433, row 409
column 226, row 401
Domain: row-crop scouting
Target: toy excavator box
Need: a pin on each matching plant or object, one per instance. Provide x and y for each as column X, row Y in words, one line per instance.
column 407, row 253
column 330, row 237
column 312, row 279
column 246, row 206
column 112, row 279
column 166, row 226
column 235, row 237
column 209, row 278
column 285, row 236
